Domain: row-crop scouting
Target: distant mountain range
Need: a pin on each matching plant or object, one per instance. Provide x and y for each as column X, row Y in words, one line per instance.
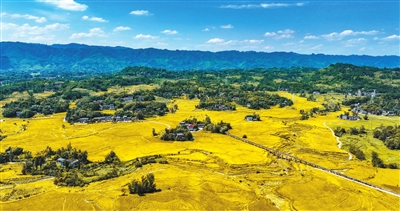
column 78, row 58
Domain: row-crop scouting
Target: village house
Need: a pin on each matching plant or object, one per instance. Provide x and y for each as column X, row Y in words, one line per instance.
column 390, row 113
column 348, row 117
column 127, row 99
column 107, row 107
column 249, row 118
column 179, row 136
column 68, row 162
column 83, row 120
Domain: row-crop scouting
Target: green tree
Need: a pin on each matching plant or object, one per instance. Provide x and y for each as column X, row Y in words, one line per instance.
column 146, row 185
column 111, row 158
column 376, row 161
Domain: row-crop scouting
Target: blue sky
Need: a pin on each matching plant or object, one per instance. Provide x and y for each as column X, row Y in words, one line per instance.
column 329, row 27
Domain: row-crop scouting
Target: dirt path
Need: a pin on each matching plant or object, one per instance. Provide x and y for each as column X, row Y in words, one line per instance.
column 159, row 123
column 338, row 140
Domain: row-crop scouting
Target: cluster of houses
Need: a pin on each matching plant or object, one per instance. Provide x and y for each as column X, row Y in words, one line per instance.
column 349, row 117
column 359, row 110
column 221, row 107
column 361, row 92
column 192, row 127
column 107, row 119
column 107, row 107
column 130, row 98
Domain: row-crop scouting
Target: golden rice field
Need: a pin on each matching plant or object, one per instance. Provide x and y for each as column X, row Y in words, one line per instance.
column 213, row 172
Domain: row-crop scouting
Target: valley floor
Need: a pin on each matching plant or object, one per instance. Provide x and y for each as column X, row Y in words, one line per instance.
column 213, row 172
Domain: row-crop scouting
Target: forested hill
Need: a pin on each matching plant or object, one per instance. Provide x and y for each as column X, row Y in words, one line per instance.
column 26, row 57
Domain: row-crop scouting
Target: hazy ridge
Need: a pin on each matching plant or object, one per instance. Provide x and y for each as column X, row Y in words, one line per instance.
column 28, row 57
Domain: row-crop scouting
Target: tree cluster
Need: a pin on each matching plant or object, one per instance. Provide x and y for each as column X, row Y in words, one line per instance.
column 220, row 127
column 145, row 185
column 339, row 131
column 180, row 133
column 390, row 135
column 31, row 106
column 357, row 152
column 111, row 158
column 355, row 131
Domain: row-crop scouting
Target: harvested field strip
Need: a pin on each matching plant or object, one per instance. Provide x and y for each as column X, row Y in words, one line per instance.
column 296, row 159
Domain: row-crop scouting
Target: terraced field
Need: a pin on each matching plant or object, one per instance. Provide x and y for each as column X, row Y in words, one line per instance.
column 213, row 172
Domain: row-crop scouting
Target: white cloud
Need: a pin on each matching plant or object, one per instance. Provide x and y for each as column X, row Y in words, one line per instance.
column 28, row 33
column 253, row 41
column 317, row 47
column 26, row 16
column 140, row 12
column 27, row 29
column 161, row 44
column 148, row 36
column 66, row 4
column 268, row 47
column 264, row 5
column 170, row 32
column 311, row 37
column 243, row 6
column 229, row 26
column 95, row 32
column 57, row 26
column 341, row 35
column 238, row 43
column 121, row 28
column 97, row 19
column 41, row 39
column 357, row 41
column 206, row 30
column 215, row 40
column 392, row 37
column 41, row 20
column 287, row 33
column 8, row 26
column 270, row 34
column 269, row 5
column 289, row 44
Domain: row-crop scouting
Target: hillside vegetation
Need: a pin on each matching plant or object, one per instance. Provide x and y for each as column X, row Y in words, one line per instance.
column 77, row 59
